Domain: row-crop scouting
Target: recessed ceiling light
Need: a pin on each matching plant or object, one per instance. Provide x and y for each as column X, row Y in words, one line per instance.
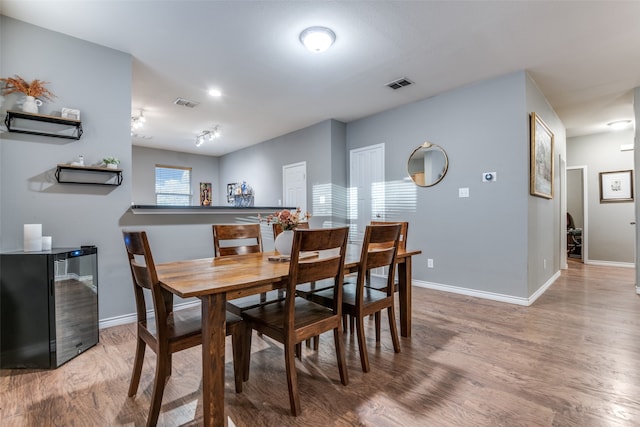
column 215, row 92
column 619, row 124
column 317, row 39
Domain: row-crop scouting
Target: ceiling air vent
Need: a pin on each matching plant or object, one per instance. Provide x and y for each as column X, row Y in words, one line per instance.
column 185, row 102
column 397, row 84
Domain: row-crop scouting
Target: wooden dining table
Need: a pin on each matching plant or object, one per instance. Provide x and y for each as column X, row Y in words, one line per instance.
column 216, row 280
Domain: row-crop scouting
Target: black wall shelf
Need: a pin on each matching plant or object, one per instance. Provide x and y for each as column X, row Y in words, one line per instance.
column 75, row 170
column 58, row 124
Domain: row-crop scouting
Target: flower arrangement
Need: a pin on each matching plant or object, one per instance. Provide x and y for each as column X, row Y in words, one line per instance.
column 110, row 161
column 287, row 219
column 36, row 88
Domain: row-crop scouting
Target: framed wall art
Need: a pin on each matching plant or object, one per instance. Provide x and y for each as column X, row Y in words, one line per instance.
column 541, row 164
column 205, row 194
column 616, row 186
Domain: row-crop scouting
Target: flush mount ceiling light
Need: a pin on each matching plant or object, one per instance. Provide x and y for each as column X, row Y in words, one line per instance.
column 208, row 135
column 317, row 39
column 215, row 92
column 619, row 124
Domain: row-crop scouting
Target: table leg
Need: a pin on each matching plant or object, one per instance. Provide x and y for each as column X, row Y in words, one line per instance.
column 213, row 341
column 404, row 294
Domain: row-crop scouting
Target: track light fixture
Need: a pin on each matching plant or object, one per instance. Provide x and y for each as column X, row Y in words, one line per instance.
column 137, row 122
column 208, row 135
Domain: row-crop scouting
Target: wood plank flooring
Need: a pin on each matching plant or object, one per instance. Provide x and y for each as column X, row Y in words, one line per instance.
column 571, row 359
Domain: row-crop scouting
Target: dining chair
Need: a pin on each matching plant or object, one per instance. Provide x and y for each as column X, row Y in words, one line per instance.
column 238, row 239
column 307, row 288
column 168, row 331
column 296, row 319
column 379, row 249
column 380, row 282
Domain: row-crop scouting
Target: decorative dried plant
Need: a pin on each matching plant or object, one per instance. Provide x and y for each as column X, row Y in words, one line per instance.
column 36, row 88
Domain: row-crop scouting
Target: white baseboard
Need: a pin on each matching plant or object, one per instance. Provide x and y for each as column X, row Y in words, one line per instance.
column 611, row 263
column 131, row 318
column 488, row 295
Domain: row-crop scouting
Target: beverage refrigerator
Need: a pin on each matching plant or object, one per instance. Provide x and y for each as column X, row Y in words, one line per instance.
column 48, row 306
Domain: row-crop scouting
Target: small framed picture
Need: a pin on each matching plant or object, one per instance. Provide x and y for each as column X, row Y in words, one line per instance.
column 205, row 194
column 616, row 186
column 70, row 113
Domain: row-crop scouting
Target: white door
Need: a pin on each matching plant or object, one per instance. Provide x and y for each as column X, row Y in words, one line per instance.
column 294, row 179
column 366, row 188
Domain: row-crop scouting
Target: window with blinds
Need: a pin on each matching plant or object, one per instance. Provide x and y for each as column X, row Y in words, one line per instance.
column 173, row 185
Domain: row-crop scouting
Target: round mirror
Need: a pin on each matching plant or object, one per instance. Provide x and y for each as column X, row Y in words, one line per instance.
column 428, row 164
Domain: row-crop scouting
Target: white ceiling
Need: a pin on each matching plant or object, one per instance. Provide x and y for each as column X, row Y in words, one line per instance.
column 584, row 56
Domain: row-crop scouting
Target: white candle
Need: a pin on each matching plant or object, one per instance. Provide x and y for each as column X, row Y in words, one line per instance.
column 46, row 243
column 33, row 237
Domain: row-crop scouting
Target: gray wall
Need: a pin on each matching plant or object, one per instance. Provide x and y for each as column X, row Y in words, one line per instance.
column 480, row 242
column 322, row 146
column 204, row 169
column 545, row 221
column 611, row 236
column 97, row 81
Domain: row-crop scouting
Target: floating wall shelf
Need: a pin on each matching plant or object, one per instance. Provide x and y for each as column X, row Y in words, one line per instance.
column 40, row 124
column 76, row 171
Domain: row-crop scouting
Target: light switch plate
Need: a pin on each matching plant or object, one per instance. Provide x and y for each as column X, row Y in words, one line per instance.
column 463, row 192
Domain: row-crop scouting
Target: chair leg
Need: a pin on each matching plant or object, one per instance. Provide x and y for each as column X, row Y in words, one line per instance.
column 137, row 367
column 246, row 352
column 362, row 344
column 158, row 386
column 237, row 344
column 377, row 320
column 394, row 330
column 342, row 362
column 292, row 378
column 351, row 324
column 344, row 322
column 316, row 342
column 299, row 350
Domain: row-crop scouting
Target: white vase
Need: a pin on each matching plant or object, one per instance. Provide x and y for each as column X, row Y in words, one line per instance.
column 284, row 242
column 30, row 105
column 112, row 166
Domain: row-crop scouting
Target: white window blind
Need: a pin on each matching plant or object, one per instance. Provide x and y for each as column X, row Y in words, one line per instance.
column 173, row 185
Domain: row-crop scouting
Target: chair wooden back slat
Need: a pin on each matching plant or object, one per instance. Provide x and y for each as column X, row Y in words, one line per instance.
column 236, row 239
column 145, row 276
column 379, row 249
column 404, row 229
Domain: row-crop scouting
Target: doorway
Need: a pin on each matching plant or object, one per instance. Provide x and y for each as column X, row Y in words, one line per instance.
column 577, row 214
column 366, row 189
column 294, row 181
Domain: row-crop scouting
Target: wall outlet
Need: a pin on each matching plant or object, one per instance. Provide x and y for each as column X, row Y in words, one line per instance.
column 429, row 262
column 463, row 192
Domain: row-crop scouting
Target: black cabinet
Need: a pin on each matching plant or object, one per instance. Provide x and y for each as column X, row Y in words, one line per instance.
column 48, row 306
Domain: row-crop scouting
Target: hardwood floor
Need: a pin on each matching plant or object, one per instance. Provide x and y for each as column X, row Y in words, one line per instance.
column 571, row 359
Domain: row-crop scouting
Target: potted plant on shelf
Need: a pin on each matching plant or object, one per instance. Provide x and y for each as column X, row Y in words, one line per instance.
column 111, row 162
column 34, row 92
